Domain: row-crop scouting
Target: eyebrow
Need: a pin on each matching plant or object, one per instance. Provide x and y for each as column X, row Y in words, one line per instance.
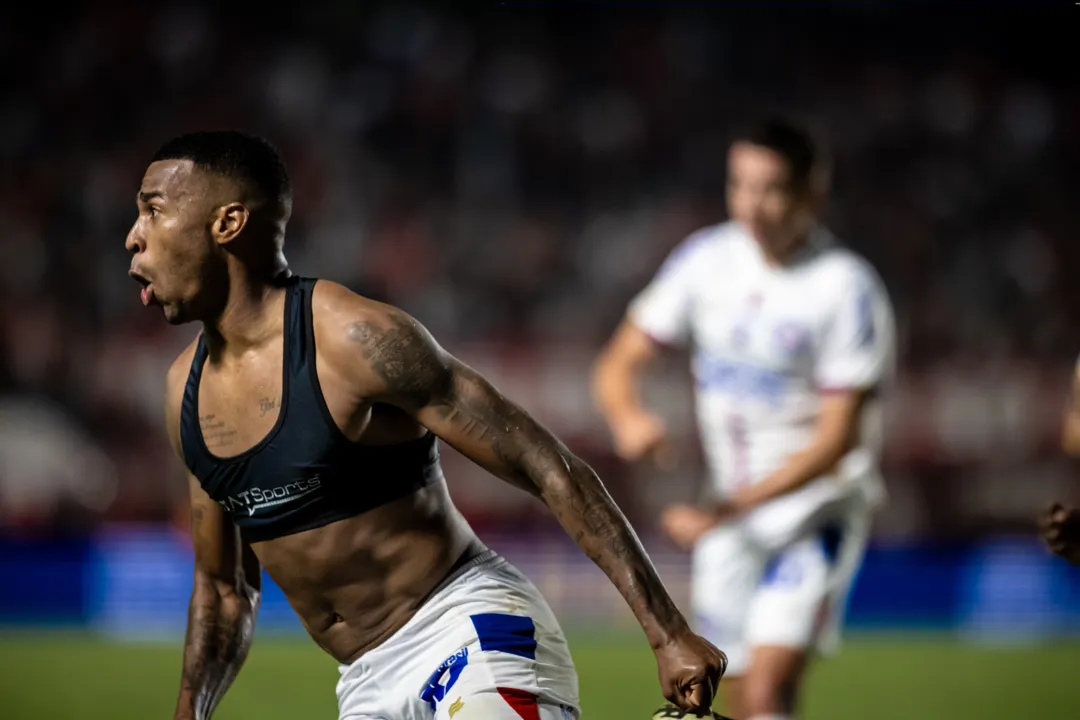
column 145, row 197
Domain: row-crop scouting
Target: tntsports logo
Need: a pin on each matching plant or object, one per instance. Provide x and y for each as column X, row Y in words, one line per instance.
column 258, row 498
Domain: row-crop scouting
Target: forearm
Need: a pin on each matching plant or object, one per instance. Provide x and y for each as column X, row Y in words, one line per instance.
column 616, row 386
column 409, row 370
column 800, row 469
column 221, row 624
column 590, row 516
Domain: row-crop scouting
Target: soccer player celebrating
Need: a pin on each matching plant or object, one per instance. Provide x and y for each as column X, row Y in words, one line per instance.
column 308, row 418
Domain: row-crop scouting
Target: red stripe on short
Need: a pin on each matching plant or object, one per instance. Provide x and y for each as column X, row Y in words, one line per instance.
column 524, row 703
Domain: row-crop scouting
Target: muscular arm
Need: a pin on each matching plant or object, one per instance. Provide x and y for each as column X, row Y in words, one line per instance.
column 225, row 595
column 221, row 616
column 406, row 367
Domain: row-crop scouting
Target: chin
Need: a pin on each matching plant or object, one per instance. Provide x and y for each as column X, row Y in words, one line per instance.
column 775, row 245
column 762, row 234
column 174, row 315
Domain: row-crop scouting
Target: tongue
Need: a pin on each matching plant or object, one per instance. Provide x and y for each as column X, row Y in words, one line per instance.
column 146, row 295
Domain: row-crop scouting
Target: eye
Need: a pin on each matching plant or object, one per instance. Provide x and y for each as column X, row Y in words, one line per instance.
column 152, row 210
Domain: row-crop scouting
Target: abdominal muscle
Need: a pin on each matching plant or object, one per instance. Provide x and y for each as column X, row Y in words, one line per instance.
column 356, row 582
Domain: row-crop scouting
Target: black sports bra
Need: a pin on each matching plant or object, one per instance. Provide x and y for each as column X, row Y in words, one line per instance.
column 305, row 473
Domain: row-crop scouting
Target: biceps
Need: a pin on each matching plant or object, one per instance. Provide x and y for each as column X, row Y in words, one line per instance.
column 478, row 421
column 219, row 552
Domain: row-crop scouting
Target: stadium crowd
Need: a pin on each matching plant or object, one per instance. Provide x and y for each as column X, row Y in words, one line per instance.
column 512, row 181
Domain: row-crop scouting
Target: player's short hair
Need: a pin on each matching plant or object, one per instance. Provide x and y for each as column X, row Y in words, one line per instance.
column 803, row 150
column 246, row 158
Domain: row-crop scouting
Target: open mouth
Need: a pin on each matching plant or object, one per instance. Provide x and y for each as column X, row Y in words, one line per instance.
column 147, row 294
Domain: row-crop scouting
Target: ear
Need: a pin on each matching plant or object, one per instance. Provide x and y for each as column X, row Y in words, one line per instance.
column 229, row 221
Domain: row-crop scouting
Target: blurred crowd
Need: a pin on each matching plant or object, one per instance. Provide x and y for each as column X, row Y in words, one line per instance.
column 511, row 177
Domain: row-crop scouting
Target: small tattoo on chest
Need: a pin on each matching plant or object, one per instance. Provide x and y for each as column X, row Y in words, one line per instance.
column 268, row 404
column 215, row 433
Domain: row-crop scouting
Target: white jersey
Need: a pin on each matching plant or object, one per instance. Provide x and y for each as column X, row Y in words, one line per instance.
column 768, row 343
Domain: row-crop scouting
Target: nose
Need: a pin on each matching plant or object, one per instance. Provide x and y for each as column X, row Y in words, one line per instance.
column 754, row 206
column 135, row 243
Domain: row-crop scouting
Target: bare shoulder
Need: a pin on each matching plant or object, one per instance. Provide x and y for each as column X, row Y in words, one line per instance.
column 336, row 309
column 175, row 380
column 349, row 321
column 378, row 346
column 176, row 377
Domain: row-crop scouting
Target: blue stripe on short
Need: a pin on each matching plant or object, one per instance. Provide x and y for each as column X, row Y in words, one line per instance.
column 783, row 569
column 513, row 634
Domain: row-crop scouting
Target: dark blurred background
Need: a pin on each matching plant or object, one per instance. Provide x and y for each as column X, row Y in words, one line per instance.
column 511, row 174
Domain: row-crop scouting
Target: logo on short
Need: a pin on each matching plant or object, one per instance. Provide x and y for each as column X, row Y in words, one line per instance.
column 435, row 689
column 454, row 707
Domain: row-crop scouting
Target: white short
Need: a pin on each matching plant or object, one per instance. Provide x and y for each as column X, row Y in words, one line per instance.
column 745, row 595
column 484, row 645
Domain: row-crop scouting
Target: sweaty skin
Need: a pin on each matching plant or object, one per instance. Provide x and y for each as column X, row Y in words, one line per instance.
column 355, row 582
column 352, row 582
column 207, row 247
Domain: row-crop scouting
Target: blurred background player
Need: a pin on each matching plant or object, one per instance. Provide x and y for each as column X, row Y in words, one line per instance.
column 1060, row 525
column 793, row 340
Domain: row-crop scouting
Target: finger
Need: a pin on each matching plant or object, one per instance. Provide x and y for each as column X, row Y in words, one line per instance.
column 719, row 670
column 699, row 698
column 1047, row 516
column 1044, row 521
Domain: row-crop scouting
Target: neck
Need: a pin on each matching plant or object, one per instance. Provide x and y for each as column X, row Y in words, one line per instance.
column 251, row 312
column 786, row 255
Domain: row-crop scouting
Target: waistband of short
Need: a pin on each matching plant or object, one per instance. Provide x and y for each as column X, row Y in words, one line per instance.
column 464, row 565
column 483, row 558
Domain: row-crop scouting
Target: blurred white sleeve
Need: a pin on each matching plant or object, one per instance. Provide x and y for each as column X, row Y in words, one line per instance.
column 857, row 350
column 662, row 309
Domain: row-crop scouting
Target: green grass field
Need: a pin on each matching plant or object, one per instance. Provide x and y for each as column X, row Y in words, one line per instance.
column 57, row 677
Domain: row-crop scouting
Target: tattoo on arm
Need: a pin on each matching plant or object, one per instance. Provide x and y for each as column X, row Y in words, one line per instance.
column 464, row 409
column 405, row 358
column 221, row 623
